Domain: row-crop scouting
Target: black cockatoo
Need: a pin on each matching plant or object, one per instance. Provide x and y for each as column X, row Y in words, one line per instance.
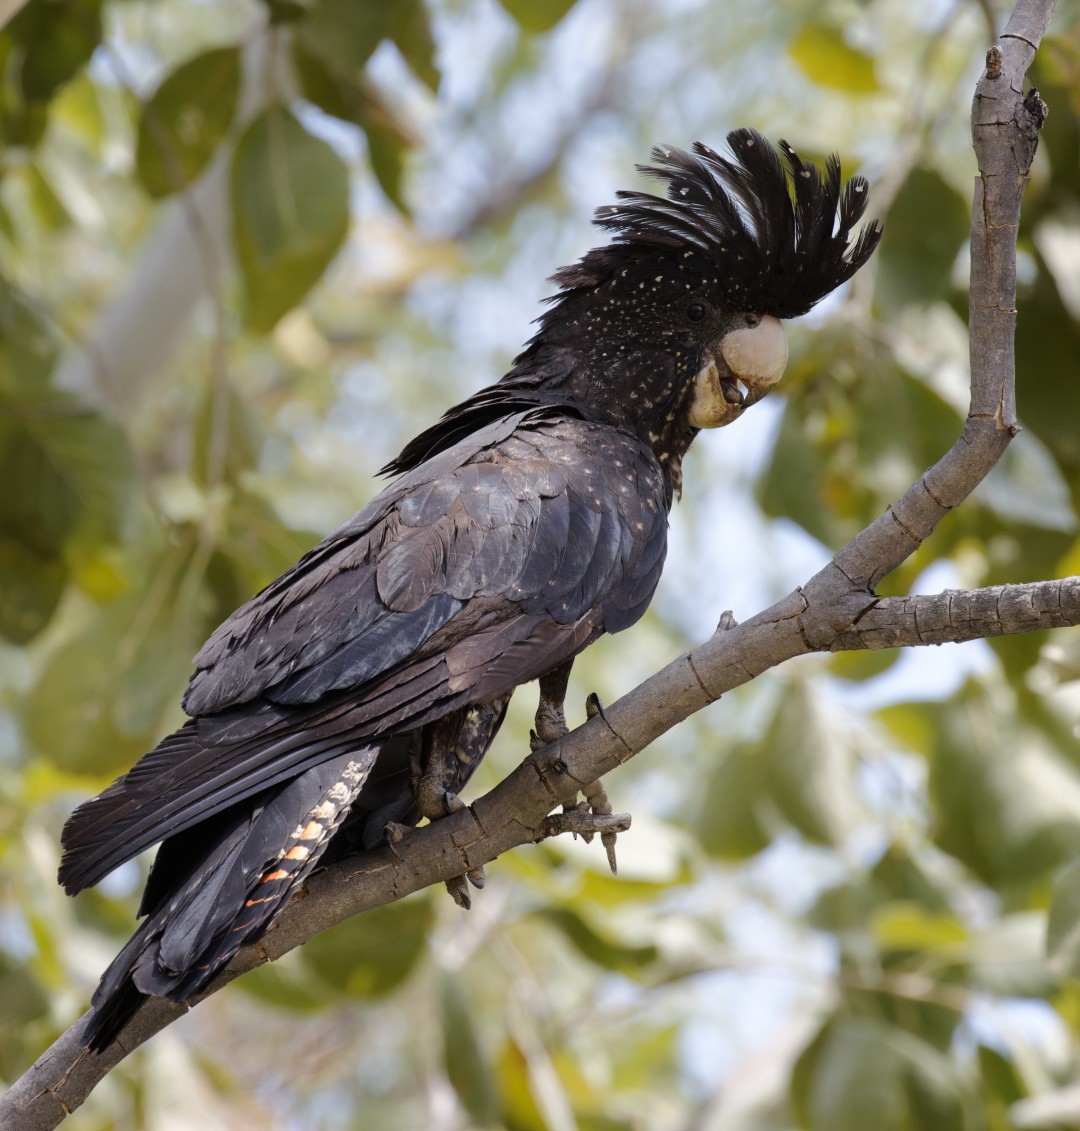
column 364, row 685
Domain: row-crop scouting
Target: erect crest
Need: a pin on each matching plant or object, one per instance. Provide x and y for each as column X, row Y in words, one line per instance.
column 773, row 230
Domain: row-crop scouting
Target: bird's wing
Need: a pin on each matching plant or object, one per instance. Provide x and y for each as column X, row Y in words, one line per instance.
column 528, row 521
column 329, row 597
column 482, row 569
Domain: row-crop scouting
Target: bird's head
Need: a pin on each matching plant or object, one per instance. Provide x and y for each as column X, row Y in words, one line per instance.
column 676, row 324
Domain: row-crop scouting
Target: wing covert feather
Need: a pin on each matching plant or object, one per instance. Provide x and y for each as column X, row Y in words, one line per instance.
column 548, row 521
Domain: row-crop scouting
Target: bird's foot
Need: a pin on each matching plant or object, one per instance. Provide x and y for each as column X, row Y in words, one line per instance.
column 589, row 817
column 549, row 725
column 458, row 887
column 596, row 795
column 436, row 802
column 593, row 815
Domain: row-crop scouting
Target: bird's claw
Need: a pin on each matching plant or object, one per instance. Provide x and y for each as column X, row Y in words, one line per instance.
column 459, row 892
column 585, row 820
column 600, row 807
column 589, row 817
column 435, row 800
column 550, row 723
column 393, row 834
column 593, row 815
column 458, row 886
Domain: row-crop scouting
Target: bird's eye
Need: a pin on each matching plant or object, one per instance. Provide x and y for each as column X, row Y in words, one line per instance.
column 696, row 311
column 753, row 320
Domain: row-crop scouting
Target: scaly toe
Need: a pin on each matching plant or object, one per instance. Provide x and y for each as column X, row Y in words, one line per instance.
column 459, row 892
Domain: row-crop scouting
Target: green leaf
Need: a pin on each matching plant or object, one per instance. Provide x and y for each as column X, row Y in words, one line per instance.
column 1006, row 803
column 354, row 99
column 938, row 1096
column 859, row 666
column 372, row 954
column 1000, row 1077
column 285, row 11
column 519, row 1109
column 31, row 586
column 79, row 107
column 47, row 207
column 254, row 547
column 387, row 154
column 225, row 432
column 66, row 471
column 184, row 122
column 1008, row 957
column 466, row 1068
column 101, row 697
column 909, row 927
column 820, row 52
column 42, row 505
column 597, row 948
column 65, row 468
column 28, row 347
column 411, row 33
column 290, row 202
column 807, row 767
column 844, row 908
column 793, row 485
column 287, row 985
column 1050, row 408
column 537, row 16
column 859, row 1073
column 903, row 877
column 58, row 37
column 343, row 34
column 847, row 1079
column 1063, row 928
column 730, row 825
column 915, row 258
column 22, row 998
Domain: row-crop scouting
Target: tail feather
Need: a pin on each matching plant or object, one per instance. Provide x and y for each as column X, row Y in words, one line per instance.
column 250, row 861
column 199, row 770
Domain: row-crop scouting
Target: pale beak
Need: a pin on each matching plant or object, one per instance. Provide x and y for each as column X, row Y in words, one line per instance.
column 748, row 363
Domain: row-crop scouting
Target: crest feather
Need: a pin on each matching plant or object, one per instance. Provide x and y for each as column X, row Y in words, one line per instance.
column 775, row 230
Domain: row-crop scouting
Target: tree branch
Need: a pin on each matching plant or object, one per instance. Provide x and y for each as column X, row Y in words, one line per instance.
column 836, row 610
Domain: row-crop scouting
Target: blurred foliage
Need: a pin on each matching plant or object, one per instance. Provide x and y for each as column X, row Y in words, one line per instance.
column 850, row 898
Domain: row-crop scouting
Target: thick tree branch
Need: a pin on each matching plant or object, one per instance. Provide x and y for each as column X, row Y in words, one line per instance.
column 836, row 610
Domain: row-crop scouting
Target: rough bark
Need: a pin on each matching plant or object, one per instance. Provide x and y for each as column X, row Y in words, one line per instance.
column 835, row 610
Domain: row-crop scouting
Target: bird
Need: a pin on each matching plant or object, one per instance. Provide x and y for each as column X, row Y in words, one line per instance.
column 357, row 693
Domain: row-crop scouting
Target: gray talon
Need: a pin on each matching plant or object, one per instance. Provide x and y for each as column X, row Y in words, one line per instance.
column 459, row 892
column 395, row 832
column 597, row 797
column 476, row 877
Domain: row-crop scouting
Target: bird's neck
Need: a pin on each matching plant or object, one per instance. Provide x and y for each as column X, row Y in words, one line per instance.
column 644, row 395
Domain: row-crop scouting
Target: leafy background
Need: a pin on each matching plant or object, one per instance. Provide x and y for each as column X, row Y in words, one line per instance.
column 248, row 249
